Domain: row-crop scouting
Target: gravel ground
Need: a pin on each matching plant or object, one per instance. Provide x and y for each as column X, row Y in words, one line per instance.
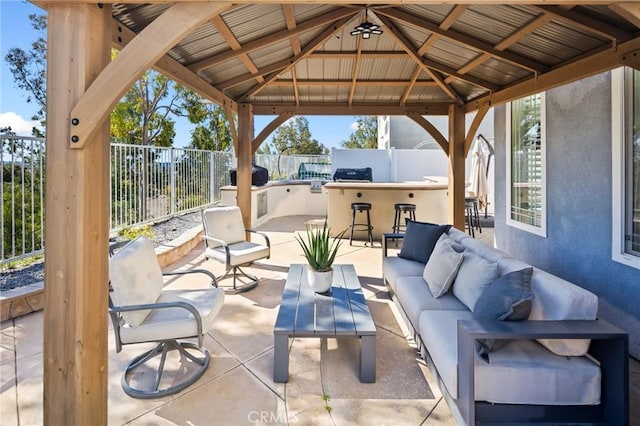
column 163, row 231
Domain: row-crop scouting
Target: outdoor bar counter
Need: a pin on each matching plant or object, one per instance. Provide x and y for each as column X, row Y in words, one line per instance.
column 429, row 196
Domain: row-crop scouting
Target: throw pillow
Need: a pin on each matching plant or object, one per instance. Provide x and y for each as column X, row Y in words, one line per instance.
column 475, row 275
column 508, row 298
column 419, row 240
column 442, row 266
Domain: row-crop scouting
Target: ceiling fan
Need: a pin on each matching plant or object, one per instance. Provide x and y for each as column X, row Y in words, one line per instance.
column 366, row 28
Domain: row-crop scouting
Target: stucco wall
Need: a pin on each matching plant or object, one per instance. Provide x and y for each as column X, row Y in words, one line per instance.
column 579, row 194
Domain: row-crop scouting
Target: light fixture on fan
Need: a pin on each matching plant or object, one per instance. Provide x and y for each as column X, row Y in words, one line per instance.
column 366, row 28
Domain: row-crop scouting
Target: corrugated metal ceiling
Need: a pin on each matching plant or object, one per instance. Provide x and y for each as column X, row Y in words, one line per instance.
column 560, row 40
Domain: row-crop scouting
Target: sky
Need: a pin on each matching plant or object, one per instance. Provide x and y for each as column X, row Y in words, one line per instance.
column 16, row 31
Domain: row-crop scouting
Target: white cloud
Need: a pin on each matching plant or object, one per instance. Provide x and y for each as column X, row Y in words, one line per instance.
column 18, row 125
column 354, row 126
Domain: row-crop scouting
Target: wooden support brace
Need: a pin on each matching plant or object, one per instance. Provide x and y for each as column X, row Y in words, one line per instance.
column 140, row 54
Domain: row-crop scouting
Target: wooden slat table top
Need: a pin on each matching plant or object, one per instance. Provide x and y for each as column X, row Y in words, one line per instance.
column 343, row 313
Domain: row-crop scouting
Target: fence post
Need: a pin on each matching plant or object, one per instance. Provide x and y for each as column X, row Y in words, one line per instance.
column 212, row 177
column 173, row 181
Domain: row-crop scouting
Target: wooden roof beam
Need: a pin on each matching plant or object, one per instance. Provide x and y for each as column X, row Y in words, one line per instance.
column 232, row 41
column 629, row 11
column 590, row 65
column 272, row 38
column 392, row 54
column 289, row 16
column 516, row 36
column 136, row 57
column 353, row 109
column 386, row 83
column 585, row 23
column 513, row 58
column 405, row 43
column 410, row 86
column 168, row 66
column 310, row 47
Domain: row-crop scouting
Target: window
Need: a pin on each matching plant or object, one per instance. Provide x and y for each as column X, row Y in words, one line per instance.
column 626, row 166
column 526, row 192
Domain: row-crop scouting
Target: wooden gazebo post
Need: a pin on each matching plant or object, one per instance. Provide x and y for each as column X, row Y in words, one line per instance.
column 456, row 165
column 244, row 155
column 77, row 222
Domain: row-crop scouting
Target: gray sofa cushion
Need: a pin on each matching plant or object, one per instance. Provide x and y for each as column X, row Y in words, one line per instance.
column 442, row 266
column 522, row 372
column 475, row 274
column 508, row 298
column 420, row 239
column 395, row 267
column 416, row 297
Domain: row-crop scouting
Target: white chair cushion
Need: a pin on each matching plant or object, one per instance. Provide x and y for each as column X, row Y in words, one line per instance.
column 242, row 252
column 224, row 223
column 136, row 278
column 176, row 323
column 394, row 267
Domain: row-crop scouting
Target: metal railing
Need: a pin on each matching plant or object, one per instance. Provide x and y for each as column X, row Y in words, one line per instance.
column 151, row 183
column 286, row 167
column 22, row 193
column 148, row 184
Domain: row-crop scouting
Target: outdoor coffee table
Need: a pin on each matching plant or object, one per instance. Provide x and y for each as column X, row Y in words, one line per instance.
column 342, row 313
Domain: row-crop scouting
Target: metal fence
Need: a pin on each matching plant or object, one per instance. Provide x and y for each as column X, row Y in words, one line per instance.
column 22, row 193
column 285, row 167
column 148, row 184
column 151, row 183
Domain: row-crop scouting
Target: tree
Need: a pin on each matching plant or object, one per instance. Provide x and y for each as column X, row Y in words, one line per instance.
column 212, row 131
column 365, row 136
column 294, row 137
column 29, row 68
column 141, row 117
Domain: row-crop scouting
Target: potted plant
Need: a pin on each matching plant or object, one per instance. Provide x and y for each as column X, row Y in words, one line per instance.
column 320, row 252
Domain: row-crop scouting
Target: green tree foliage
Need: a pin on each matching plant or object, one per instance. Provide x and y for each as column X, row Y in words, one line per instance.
column 212, row 131
column 142, row 116
column 365, row 136
column 29, row 68
column 266, row 149
column 294, row 137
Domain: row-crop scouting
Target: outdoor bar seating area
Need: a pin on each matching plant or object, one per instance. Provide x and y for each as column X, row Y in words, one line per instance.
column 413, row 328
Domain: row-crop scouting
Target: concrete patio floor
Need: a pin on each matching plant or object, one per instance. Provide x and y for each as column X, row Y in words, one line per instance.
column 238, row 388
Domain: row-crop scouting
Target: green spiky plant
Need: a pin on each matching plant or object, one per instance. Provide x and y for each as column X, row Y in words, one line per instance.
column 318, row 248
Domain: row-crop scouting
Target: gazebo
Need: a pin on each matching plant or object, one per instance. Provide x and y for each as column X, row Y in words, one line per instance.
column 268, row 58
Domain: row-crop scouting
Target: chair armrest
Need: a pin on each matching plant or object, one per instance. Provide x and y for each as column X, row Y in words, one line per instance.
column 262, row 234
column 163, row 305
column 214, row 282
column 610, row 346
column 222, row 243
column 389, row 236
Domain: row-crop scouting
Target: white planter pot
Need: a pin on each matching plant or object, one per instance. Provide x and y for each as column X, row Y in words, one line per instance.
column 320, row 282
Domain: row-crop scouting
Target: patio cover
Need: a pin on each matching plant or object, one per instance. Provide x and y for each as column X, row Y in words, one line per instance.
column 282, row 59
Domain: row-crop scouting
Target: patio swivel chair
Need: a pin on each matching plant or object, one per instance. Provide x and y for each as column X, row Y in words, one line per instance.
column 225, row 241
column 141, row 311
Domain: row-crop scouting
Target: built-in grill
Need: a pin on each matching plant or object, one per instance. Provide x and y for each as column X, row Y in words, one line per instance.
column 349, row 175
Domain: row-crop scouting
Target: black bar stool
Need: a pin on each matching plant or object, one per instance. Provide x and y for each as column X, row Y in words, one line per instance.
column 361, row 207
column 409, row 210
column 472, row 215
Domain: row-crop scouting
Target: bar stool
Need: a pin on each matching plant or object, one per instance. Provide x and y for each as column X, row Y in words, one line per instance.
column 361, row 207
column 409, row 210
column 472, row 215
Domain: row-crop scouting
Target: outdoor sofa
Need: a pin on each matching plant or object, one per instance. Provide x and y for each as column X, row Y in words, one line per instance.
column 506, row 341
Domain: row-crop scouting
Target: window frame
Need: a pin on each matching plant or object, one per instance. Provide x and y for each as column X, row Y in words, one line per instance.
column 542, row 229
column 619, row 167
